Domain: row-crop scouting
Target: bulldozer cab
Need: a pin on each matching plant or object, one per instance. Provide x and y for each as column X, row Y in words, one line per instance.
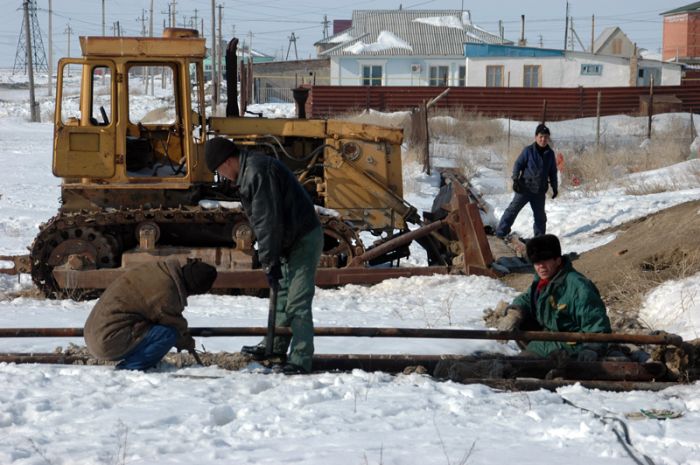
column 131, row 111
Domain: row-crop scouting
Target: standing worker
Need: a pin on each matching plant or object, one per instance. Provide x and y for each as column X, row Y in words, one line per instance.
column 289, row 238
column 138, row 318
column 534, row 167
column 559, row 299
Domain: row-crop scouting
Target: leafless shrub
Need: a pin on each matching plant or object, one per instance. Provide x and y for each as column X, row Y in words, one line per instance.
column 627, row 292
column 465, row 127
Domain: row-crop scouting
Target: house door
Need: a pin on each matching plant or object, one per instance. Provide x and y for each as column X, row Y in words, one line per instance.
column 645, row 74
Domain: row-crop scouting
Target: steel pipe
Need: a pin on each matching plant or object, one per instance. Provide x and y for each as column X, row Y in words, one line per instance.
column 430, row 333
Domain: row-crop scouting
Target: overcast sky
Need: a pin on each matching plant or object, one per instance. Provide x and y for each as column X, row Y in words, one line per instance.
column 272, row 22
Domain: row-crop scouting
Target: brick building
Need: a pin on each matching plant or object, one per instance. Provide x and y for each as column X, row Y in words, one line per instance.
column 681, row 39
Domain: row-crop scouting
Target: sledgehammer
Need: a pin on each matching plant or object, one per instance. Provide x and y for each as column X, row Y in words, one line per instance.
column 271, row 317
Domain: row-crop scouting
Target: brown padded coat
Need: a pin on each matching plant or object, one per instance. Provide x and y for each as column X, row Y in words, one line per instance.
column 152, row 293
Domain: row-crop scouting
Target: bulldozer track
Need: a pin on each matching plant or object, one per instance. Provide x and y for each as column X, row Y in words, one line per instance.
column 102, row 235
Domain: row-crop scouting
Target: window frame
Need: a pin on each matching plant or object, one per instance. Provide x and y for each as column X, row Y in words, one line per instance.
column 500, row 68
column 371, row 80
column 439, row 81
column 527, row 76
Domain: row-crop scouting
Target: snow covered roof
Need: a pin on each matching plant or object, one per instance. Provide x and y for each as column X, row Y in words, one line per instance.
column 408, row 32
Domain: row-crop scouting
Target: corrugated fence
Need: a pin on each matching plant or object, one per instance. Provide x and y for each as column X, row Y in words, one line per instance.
column 516, row 103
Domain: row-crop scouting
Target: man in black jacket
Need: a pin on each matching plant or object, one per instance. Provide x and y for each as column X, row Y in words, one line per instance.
column 289, row 237
column 533, row 170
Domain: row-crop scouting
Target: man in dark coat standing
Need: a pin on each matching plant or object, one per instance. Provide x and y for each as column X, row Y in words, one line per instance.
column 138, row 318
column 289, row 238
column 559, row 299
column 534, row 168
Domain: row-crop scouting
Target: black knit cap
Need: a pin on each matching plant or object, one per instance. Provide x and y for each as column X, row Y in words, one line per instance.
column 541, row 248
column 198, row 277
column 217, row 151
column 542, row 129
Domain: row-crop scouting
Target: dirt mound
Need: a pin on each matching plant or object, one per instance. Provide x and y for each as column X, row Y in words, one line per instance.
column 646, row 252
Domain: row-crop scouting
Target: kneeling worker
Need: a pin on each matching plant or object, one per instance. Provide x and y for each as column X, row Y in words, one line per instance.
column 559, row 299
column 138, row 318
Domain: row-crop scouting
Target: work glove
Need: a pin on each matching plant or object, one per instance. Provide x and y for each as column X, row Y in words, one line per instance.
column 587, row 355
column 516, row 186
column 511, row 319
column 555, row 192
column 273, row 274
column 185, row 343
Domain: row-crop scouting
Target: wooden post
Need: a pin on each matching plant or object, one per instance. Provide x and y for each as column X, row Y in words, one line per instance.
column 508, row 146
column 544, row 111
column 597, row 119
column 693, row 132
column 650, row 111
column 426, row 143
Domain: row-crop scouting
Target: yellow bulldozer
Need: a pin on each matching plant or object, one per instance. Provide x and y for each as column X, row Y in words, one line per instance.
column 130, row 127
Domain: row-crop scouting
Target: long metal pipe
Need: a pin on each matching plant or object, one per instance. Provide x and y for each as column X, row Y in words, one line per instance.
column 397, row 363
column 662, row 339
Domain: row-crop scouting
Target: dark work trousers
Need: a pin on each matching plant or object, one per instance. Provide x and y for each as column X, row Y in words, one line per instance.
column 536, row 202
column 157, row 342
column 294, row 299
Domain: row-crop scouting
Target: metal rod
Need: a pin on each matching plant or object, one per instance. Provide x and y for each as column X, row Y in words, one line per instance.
column 662, row 339
column 395, row 364
column 398, row 241
column 521, row 384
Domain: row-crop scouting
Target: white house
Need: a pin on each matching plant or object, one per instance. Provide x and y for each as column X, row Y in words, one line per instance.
column 444, row 48
column 403, row 48
column 510, row 66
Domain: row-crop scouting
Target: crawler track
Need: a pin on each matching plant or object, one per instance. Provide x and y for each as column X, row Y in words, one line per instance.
column 99, row 239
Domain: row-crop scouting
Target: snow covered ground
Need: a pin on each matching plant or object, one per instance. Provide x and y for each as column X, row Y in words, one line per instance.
column 94, row 415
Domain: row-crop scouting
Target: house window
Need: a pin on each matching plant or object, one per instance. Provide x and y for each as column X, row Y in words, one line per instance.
column 439, row 75
column 531, row 76
column 372, row 75
column 462, row 76
column 494, row 76
column 591, row 70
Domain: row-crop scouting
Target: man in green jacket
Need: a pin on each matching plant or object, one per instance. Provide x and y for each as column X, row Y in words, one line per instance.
column 559, row 299
column 289, row 239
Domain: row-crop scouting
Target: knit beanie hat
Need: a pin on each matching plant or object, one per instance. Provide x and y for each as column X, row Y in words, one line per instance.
column 542, row 129
column 198, row 277
column 541, row 248
column 217, row 151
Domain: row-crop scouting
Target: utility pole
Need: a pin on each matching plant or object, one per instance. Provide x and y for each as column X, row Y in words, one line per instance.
column 116, row 29
column 30, row 65
column 566, row 27
column 50, row 49
column 36, row 48
column 292, row 40
column 194, row 20
column 220, row 49
column 325, row 26
column 173, row 12
column 142, row 20
column 212, row 56
column 103, row 18
column 592, row 33
column 68, row 31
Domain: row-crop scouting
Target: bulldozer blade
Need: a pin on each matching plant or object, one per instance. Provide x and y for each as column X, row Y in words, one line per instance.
column 20, row 264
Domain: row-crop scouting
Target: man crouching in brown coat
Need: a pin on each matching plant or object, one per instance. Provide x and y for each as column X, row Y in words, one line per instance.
column 139, row 318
